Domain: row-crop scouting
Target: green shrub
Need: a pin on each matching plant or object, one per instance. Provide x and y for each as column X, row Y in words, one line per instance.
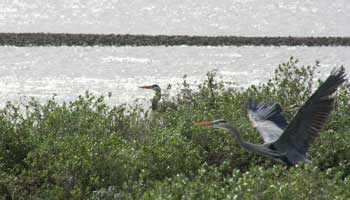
column 86, row 149
column 300, row 182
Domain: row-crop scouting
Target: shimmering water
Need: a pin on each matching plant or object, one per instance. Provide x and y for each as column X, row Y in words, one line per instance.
column 193, row 17
column 69, row 71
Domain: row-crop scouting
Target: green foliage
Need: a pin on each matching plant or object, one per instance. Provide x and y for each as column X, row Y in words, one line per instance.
column 86, row 149
column 300, row 182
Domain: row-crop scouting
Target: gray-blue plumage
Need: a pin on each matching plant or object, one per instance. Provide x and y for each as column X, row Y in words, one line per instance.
column 294, row 139
column 267, row 118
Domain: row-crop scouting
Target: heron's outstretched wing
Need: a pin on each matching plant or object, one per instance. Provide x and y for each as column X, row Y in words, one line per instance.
column 267, row 119
column 310, row 118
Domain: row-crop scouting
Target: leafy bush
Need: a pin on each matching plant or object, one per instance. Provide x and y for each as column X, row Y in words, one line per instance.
column 300, row 182
column 86, row 149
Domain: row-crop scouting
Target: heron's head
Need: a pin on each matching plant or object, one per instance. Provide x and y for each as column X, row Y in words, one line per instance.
column 154, row 87
column 219, row 123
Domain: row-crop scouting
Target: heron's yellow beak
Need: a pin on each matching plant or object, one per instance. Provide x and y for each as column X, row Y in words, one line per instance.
column 146, row 87
column 209, row 123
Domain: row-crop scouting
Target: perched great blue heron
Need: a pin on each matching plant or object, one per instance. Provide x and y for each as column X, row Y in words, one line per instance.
column 156, row 104
column 287, row 143
column 156, row 97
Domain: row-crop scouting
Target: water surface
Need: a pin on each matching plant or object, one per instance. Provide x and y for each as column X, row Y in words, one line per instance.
column 174, row 17
column 69, row 71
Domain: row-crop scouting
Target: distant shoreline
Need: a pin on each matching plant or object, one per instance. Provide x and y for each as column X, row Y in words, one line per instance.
column 67, row 39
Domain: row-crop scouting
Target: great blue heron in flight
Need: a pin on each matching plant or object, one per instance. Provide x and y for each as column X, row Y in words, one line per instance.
column 287, row 143
column 155, row 102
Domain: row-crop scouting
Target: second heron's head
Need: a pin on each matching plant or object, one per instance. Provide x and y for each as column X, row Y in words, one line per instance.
column 219, row 123
column 154, row 87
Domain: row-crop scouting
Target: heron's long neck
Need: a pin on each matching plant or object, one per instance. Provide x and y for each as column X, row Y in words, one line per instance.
column 259, row 149
column 156, row 99
column 235, row 133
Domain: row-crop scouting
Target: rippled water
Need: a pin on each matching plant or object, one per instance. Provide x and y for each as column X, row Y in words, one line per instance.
column 69, row 71
column 193, row 17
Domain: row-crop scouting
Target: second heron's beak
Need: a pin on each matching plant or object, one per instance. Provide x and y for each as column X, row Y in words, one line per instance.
column 208, row 123
column 146, row 87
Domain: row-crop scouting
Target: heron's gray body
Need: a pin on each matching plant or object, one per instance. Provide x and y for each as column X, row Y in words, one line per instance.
column 290, row 156
column 156, row 99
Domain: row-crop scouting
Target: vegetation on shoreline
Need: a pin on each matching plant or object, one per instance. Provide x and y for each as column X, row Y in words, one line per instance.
column 69, row 39
column 87, row 150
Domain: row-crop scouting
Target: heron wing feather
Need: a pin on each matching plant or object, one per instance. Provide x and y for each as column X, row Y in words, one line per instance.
column 311, row 117
column 267, row 119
